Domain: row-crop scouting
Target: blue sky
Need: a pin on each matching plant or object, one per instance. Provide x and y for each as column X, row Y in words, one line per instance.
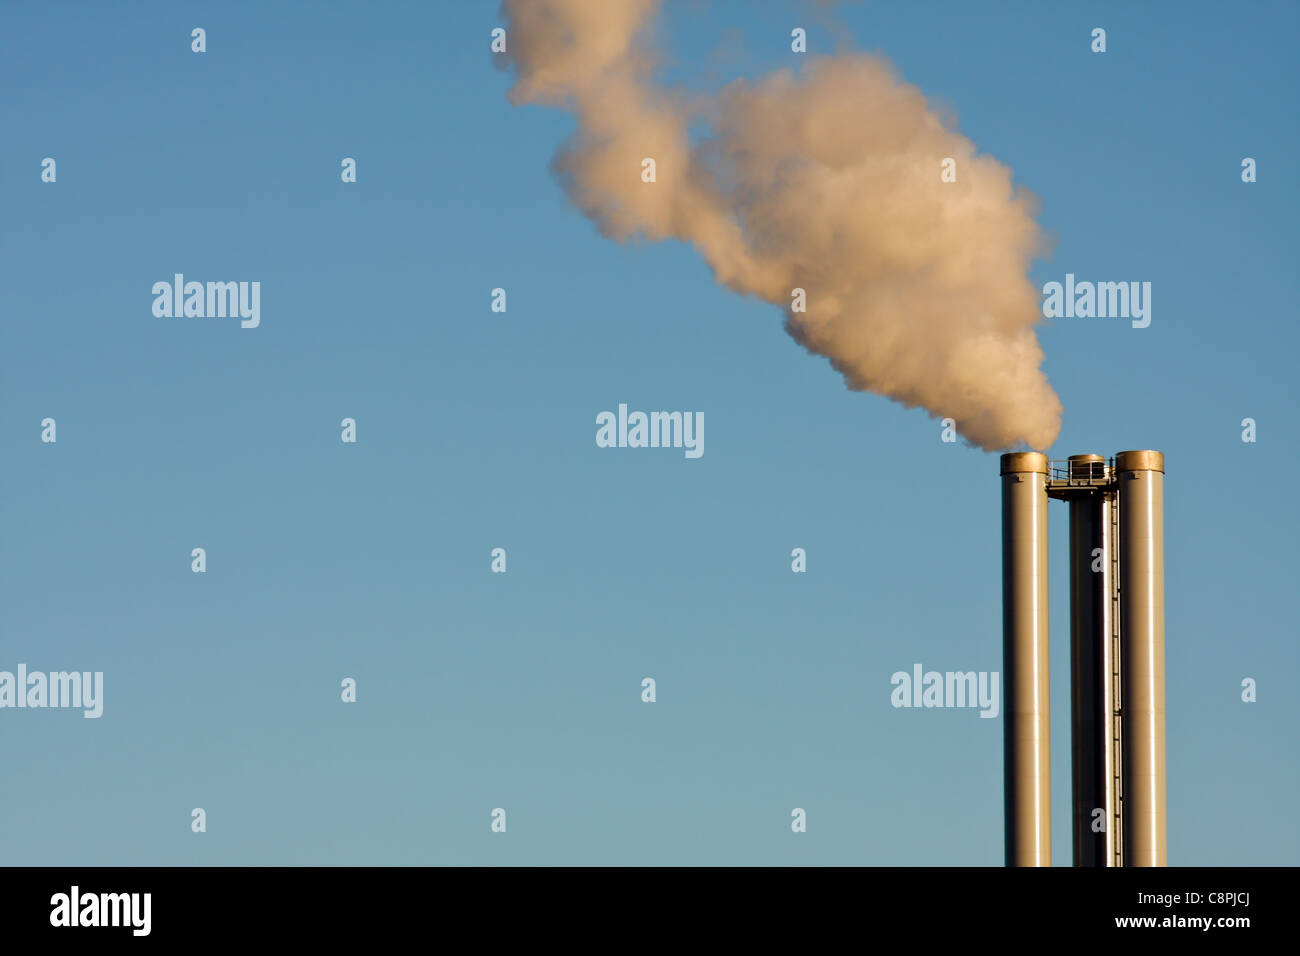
column 476, row 430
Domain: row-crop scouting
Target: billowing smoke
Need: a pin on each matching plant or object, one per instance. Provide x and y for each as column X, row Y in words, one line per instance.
column 826, row 180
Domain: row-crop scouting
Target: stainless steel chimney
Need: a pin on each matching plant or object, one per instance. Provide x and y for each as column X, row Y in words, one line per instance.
column 1117, row 637
column 1026, row 752
column 1093, row 631
column 1141, row 479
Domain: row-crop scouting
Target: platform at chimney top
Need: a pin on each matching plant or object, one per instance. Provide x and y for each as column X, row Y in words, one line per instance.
column 1079, row 476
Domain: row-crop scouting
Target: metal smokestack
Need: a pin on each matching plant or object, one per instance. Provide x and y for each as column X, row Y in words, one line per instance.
column 1094, row 634
column 1117, row 656
column 1026, row 730
column 1141, row 479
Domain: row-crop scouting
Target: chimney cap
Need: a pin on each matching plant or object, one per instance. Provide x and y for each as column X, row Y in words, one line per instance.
column 1019, row 462
column 1140, row 461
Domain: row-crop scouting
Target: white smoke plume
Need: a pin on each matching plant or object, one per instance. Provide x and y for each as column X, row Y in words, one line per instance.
column 827, row 180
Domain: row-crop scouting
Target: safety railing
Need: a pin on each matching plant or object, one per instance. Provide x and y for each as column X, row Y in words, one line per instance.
column 1063, row 472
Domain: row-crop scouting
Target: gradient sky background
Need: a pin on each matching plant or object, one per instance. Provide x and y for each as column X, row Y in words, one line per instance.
column 476, row 430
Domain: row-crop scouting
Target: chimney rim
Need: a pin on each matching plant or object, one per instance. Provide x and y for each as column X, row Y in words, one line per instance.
column 1022, row 462
column 1141, row 460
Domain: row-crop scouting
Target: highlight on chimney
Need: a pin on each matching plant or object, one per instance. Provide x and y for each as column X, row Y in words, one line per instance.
column 1117, row 656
